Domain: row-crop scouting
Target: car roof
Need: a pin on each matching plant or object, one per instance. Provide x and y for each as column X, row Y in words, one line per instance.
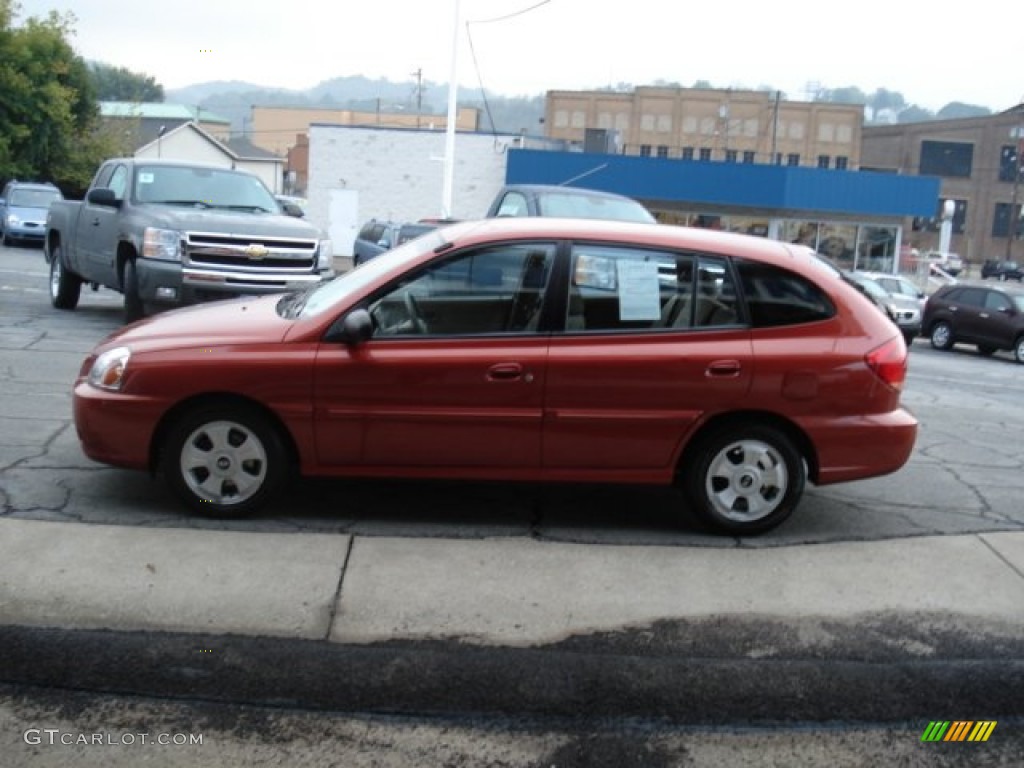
column 33, row 184
column 581, row 191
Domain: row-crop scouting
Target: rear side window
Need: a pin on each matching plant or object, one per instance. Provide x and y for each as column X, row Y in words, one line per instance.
column 625, row 288
column 776, row 296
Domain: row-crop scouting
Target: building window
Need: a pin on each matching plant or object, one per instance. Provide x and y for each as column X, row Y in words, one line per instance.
column 934, row 224
column 622, row 122
column 841, row 162
column 731, row 155
column 604, row 120
column 662, row 150
column 1000, row 221
column 579, row 119
column 796, row 131
column 826, row 132
column 707, row 126
column 645, row 150
column 664, row 123
column 792, row 159
column 689, row 124
column 748, row 156
column 687, row 153
column 561, row 118
column 735, row 127
column 946, row 158
column 823, row 161
column 647, row 123
column 1008, row 162
column 778, row 158
column 750, row 128
column 844, row 134
column 705, row 153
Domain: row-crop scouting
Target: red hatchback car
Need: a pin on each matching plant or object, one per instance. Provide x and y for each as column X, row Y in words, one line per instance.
column 520, row 349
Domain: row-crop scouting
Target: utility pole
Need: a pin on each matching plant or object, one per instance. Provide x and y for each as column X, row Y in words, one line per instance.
column 418, row 74
column 1012, row 217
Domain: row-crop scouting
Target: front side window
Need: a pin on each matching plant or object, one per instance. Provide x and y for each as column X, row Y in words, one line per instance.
column 626, row 288
column 495, row 290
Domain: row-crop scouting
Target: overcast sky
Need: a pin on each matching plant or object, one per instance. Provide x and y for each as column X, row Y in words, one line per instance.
column 925, row 51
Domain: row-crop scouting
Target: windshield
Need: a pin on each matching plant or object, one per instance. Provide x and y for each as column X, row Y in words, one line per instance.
column 202, row 188
column 581, row 206
column 312, row 302
column 32, row 198
column 871, row 288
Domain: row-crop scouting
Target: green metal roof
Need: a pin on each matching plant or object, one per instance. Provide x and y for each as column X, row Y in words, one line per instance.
column 160, row 111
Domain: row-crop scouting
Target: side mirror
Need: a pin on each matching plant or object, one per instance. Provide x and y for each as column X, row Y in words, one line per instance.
column 292, row 209
column 356, row 327
column 103, row 196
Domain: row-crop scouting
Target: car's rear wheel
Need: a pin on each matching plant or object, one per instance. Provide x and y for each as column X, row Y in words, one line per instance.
column 744, row 479
column 942, row 336
column 224, row 460
column 1018, row 349
column 65, row 286
column 985, row 350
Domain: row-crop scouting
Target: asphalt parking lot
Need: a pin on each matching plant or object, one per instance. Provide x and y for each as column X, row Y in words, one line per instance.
column 964, row 477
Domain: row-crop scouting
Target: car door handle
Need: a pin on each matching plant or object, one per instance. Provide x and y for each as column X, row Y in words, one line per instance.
column 983, row 315
column 508, row 372
column 723, row 368
column 95, row 222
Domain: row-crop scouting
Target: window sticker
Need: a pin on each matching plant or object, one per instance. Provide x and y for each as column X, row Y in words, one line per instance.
column 145, row 177
column 639, row 293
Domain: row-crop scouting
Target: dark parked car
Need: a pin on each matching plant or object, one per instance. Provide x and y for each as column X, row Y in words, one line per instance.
column 23, row 209
column 376, row 237
column 537, row 350
column 1002, row 270
column 991, row 318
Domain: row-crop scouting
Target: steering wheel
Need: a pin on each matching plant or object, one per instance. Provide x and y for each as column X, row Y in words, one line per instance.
column 412, row 308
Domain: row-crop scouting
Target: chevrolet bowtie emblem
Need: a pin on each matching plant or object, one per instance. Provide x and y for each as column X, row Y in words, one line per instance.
column 256, row 252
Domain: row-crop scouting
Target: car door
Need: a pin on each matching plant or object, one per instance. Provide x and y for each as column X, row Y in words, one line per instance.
column 995, row 321
column 651, row 342
column 98, row 230
column 969, row 317
column 453, row 375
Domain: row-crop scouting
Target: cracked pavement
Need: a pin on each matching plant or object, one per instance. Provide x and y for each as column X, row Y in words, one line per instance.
column 965, row 475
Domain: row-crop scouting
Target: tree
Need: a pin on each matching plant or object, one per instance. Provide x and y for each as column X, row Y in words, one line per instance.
column 48, row 107
column 121, row 84
column 957, row 109
column 915, row 114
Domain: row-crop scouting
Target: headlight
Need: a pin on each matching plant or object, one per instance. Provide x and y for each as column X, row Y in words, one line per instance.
column 109, row 369
column 325, row 255
column 161, row 244
column 13, row 221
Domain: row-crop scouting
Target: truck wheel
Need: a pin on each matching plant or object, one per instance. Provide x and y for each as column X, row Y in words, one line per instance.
column 65, row 286
column 133, row 307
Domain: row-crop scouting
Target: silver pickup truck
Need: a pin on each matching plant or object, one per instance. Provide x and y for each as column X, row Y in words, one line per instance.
column 172, row 233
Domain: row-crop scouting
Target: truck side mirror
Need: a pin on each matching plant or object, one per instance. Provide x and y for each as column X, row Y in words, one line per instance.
column 103, row 196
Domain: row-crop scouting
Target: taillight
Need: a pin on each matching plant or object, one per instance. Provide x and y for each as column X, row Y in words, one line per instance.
column 889, row 362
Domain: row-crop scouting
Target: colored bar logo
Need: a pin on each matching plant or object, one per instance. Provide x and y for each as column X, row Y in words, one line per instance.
column 958, row 730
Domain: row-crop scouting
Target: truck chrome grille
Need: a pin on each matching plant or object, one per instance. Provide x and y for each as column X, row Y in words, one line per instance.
column 243, row 253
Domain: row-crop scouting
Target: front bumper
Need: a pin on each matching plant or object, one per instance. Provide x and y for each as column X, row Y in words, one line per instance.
column 171, row 283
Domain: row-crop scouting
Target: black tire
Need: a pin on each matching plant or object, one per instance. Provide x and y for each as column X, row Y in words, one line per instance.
column 65, row 286
column 985, row 350
column 941, row 335
column 224, row 460
column 1018, row 349
column 133, row 306
column 744, row 479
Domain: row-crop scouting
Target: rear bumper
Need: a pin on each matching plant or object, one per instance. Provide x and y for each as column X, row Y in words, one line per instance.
column 859, row 447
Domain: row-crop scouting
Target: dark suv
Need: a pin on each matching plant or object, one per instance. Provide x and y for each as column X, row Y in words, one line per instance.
column 1002, row 270
column 991, row 318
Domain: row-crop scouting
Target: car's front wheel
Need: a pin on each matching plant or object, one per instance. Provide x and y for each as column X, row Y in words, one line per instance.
column 224, row 460
column 134, row 309
column 744, row 479
column 65, row 286
column 942, row 336
column 1018, row 349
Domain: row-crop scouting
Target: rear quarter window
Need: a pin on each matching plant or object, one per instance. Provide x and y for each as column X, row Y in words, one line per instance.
column 776, row 296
